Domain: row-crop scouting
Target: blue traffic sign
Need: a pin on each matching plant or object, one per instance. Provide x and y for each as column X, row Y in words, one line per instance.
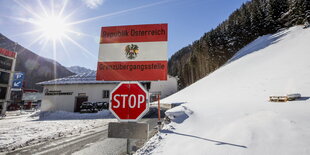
column 19, row 76
column 18, row 80
column 17, row 84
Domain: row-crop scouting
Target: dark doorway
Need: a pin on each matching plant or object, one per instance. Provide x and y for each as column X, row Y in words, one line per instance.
column 78, row 102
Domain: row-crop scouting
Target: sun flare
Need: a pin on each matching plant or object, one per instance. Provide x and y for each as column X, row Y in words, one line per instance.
column 53, row 27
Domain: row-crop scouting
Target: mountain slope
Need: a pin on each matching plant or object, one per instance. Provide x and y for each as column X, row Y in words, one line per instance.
column 228, row 112
column 36, row 68
column 79, row 69
column 253, row 19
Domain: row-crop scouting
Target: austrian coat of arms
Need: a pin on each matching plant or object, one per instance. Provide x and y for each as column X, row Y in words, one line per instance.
column 131, row 51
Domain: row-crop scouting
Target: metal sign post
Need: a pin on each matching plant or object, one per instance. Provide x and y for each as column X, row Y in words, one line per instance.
column 129, row 103
column 132, row 53
column 128, row 130
column 128, row 146
column 158, row 110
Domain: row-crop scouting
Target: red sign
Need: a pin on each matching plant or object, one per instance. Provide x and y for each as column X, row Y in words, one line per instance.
column 129, row 101
column 7, row 53
column 133, row 53
column 134, row 33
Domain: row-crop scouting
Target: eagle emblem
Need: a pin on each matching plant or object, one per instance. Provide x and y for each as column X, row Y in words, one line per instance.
column 131, row 51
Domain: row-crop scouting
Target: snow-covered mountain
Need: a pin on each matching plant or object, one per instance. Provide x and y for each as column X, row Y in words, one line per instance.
column 79, row 69
column 228, row 112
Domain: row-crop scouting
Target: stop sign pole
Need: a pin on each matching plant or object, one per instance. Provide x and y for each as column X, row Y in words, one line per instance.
column 127, row 55
column 129, row 102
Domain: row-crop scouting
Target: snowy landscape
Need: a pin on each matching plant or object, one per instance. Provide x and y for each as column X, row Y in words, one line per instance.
column 27, row 128
column 152, row 77
column 228, row 112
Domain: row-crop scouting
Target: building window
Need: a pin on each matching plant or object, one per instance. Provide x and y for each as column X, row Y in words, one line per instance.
column 4, row 78
column 148, row 85
column 106, row 94
column 3, row 91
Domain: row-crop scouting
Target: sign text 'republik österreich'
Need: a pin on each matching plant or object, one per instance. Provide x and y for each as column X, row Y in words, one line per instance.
column 133, row 32
column 133, row 53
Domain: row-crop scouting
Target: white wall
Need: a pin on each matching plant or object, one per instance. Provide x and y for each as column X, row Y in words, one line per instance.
column 67, row 102
column 94, row 93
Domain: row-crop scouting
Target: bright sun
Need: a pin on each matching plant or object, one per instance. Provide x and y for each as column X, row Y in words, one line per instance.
column 53, row 27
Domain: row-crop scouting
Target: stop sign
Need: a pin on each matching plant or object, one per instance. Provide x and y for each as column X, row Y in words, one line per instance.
column 129, row 101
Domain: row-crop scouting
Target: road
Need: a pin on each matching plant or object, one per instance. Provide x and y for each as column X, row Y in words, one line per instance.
column 115, row 146
column 93, row 142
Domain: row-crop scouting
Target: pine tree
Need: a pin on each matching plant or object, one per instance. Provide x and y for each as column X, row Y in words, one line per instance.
column 306, row 9
column 275, row 9
column 251, row 20
column 296, row 12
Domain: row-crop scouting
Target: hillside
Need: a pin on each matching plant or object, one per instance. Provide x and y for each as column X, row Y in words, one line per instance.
column 228, row 112
column 79, row 69
column 35, row 67
column 253, row 19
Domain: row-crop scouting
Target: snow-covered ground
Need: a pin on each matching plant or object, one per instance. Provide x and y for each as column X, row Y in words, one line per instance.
column 228, row 112
column 26, row 128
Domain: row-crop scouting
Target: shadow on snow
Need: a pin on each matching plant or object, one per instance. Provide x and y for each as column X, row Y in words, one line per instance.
column 210, row 140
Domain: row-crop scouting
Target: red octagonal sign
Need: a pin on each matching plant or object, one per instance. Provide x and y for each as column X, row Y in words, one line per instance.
column 129, row 101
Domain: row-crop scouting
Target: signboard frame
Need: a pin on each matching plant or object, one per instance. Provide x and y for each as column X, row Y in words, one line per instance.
column 147, row 45
column 7, row 53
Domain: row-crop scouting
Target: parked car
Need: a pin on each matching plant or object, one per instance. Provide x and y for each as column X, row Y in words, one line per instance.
column 13, row 107
column 88, row 107
column 98, row 105
column 102, row 105
column 105, row 105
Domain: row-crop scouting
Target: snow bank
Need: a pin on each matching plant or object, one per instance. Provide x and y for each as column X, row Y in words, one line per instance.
column 231, row 111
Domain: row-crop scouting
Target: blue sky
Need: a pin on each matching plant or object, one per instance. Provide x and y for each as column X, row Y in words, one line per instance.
column 187, row 21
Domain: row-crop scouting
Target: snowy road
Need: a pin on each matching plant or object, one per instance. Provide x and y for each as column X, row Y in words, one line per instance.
column 114, row 146
column 90, row 143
